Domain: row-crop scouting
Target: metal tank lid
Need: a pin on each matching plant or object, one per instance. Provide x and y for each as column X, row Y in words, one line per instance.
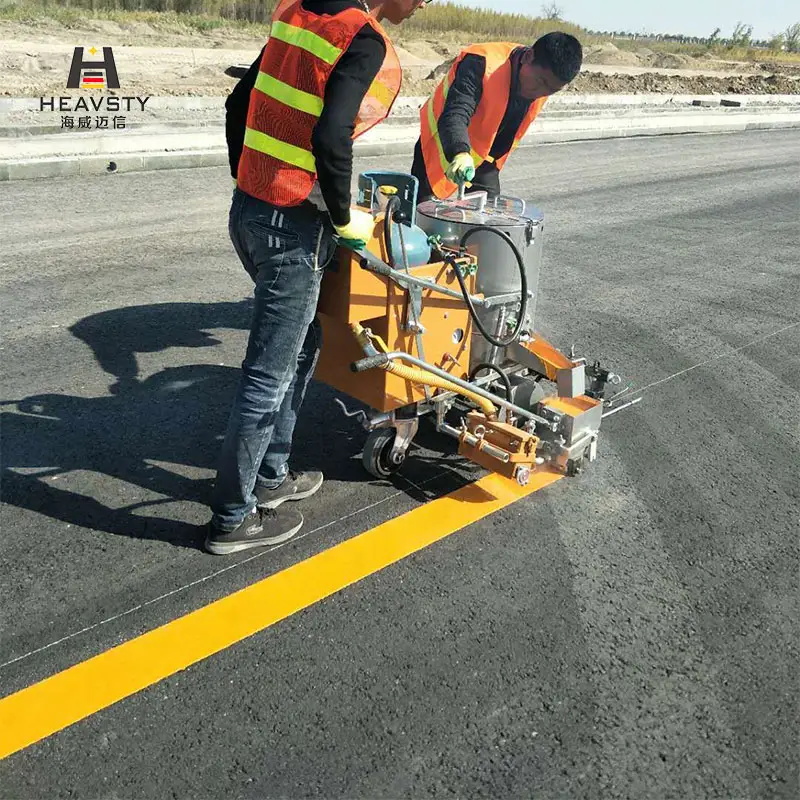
column 477, row 209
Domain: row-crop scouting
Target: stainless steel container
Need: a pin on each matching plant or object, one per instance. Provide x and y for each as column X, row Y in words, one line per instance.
column 498, row 272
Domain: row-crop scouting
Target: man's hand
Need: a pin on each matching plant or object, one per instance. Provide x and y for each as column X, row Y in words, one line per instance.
column 358, row 231
column 461, row 169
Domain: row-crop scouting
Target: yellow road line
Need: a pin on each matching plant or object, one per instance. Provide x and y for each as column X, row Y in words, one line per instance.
column 80, row 691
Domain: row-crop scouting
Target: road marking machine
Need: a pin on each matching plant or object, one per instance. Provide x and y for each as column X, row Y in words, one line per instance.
column 436, row 316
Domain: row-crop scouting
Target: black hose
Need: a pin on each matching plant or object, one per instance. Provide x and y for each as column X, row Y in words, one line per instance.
column 523, row 287
column 486, row 365
column 394, row 200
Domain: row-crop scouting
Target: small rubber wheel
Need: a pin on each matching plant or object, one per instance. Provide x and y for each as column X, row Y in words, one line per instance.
column 375, row 457
column 574, row 466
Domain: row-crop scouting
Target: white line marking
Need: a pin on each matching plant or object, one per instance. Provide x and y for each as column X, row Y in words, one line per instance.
column 634, row 392
column 205, row 578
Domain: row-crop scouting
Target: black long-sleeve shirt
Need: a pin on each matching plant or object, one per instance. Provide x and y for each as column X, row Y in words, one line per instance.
column 463, row 98
column 331, row 140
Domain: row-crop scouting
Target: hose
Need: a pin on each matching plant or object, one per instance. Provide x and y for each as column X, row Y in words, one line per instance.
column 393, row 201
column 486, row 365
column 523, row 288
column 426, row 378
column 417, row 375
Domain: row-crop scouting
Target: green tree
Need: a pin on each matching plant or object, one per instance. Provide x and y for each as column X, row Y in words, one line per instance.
column 791, row 38
column 741, row 35
column 552, row 11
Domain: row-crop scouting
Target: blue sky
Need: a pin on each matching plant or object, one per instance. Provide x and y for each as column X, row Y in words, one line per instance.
column 693, row 17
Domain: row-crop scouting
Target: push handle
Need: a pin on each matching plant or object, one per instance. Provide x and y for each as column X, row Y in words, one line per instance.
column 370, row 363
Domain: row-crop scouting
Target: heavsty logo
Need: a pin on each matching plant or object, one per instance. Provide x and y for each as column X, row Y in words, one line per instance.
column 93, row 74
column 90, row 71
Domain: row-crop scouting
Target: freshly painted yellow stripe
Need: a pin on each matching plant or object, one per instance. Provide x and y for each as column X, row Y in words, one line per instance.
column 74, row 694
column 256, row 140
column 305, row 39
column 288, row 95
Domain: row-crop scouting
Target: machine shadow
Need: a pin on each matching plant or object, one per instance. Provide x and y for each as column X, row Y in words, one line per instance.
column 159, row 435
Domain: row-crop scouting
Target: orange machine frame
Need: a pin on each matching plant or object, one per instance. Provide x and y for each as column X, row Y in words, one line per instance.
column 350, row 293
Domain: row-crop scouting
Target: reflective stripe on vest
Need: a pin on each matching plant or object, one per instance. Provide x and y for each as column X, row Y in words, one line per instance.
column 277, row 163
column 445, row 87
column 283, row 151
column 483, row 126
column 288, row 95
column 305, row 40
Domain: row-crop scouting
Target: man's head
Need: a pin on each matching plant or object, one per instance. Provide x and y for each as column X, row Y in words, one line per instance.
column 547, row 67
column 395, row 10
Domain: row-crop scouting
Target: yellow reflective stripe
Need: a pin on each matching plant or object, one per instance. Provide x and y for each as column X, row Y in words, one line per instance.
column 435, row 132
column 478, row 159
column 434, row 127
column 381, row 92
column 288, row 95
column 306, row 40
column 256, row 140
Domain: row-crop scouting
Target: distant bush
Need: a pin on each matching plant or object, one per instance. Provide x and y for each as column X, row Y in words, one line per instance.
column 437, row 18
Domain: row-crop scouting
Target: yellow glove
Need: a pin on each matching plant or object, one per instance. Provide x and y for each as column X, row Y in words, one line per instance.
column 461, row 169
column 358, row 231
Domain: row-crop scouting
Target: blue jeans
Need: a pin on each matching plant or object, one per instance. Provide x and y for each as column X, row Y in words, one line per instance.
column 285, row 251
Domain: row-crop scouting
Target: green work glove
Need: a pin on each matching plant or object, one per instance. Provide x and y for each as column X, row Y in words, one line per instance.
column 461, row 169
column 358, row 231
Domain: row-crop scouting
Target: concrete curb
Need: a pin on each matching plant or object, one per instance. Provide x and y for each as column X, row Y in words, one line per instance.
column 412, row 103
column 110, row 159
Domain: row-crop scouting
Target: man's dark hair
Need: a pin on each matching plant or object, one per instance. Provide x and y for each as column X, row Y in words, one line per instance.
column 559, row 52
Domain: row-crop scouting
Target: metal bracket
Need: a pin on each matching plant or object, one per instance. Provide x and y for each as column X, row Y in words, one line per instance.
column 414, row 312
column 504, row 299
column 406, row 431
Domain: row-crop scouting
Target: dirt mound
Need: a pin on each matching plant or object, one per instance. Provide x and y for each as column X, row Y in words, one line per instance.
column 608, row 53
column 423, row 51
column 670, row 61
column 35, row 58
column 410, row 59
column 653, row 83
column 439, row 72
column 791, row 69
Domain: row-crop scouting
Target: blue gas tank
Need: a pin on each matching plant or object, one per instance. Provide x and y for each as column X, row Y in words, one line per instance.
column 417, row 248
column 375, row 189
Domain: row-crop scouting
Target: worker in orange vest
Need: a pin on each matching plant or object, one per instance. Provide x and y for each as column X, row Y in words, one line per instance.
column 327, row 74
column 480, row 111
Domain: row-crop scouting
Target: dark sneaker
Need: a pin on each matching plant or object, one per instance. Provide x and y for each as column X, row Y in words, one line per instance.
column 262, row 528
column 297, row 486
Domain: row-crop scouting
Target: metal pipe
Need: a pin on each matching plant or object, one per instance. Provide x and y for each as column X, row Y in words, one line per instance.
column 376, row 265
column 621, row 408
column 523, row 412
column 502, row 314
column 473, row 441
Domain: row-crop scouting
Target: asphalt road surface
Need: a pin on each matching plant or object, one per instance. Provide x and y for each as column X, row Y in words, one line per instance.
column 629, row 633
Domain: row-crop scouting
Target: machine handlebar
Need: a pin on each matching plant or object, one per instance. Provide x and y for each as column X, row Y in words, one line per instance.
column 369, row 363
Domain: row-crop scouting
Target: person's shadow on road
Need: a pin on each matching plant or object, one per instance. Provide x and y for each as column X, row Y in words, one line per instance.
column 154, row 434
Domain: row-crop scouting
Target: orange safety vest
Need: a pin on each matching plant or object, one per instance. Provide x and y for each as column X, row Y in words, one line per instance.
column 485, row 121
column 277, row 163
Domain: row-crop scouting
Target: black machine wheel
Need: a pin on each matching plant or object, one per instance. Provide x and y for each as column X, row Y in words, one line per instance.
column 574, row 466
column 376, row 458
